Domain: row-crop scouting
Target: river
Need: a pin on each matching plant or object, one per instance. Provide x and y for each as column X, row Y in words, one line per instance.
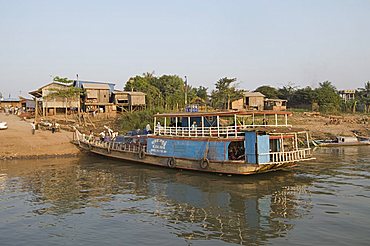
column 95, row 201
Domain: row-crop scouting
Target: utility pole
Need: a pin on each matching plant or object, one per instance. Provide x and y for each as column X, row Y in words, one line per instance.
column 186, row 91
column 79, row 99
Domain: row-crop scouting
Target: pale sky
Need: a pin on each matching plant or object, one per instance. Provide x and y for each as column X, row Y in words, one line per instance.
column 258, row 42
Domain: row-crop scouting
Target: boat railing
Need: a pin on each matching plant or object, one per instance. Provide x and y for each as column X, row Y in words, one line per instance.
column 213, row 131
column 127, row 147
column 289, row 156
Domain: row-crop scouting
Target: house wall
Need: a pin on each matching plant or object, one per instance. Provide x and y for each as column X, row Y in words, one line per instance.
column 121, row 99
column 97, row 95
column 10, row 104
column 57, row 102
column 137, row 100
column 255, row 102
column 238, row 104
column 103, row 96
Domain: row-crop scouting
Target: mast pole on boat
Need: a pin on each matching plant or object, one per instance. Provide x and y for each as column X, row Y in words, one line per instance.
column 176, row 121
column 154, row 125
column 165, row 125
column 286, row 120
column 308, row 140
column 202, row 119
column 235, row 126
column 218, row 125
column 276, row 119
column 189, row 125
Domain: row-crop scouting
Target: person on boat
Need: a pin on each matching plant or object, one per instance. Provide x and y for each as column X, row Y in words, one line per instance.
column 159, row 127
column 91, row 136
column 194, row 125
column 264, row 122
column 148, row 129
column 102, row 135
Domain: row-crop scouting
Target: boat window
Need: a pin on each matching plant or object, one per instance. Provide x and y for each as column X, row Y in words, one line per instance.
column 236, row 150
column 275, row 145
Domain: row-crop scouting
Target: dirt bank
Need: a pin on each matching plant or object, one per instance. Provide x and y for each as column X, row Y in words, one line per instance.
column 329, row 126
column 18, row 142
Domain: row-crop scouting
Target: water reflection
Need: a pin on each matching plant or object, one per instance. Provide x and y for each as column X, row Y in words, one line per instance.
column 190, row 205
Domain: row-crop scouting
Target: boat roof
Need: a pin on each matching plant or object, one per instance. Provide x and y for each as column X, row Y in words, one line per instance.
column 223, row 113
column 278, row 130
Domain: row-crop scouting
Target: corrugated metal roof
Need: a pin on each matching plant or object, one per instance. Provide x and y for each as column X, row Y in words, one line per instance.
column 81, row 83
column 95, row 86
column 133, row 93
column 137, row 93
column 253, row 94
column 10, row 99
column 275, row 100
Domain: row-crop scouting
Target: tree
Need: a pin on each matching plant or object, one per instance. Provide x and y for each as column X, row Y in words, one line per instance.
column 364, row 97
column 167, row 91
column 67, row 93
column 287, row 91
column 201, row 92
column 173, row 90
column 225, row 93
column 268, row 91
column 62, row 80
column 327, row 97
column 144, row 84
column 302, row 97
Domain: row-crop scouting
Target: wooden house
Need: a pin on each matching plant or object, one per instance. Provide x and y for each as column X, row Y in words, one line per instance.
column 347, row 95
column 47, row 104
column 275, row 104
column 10, row 103
column 97, row 96
column 129, row 100
column 28, row 105
column 249, row 101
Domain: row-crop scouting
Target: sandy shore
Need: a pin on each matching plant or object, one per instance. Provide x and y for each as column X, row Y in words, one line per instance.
column 18, row 142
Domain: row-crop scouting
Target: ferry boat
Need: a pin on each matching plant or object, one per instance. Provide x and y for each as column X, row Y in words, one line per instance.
column 232, row 142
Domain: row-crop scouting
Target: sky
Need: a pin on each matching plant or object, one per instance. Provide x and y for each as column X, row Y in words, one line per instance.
column 277, row 43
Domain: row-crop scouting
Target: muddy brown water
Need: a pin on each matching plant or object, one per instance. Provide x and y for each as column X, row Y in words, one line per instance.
column 96, row 201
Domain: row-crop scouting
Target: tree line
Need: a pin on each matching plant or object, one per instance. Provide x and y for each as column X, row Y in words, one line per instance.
column 324, row 98
column 168, row 92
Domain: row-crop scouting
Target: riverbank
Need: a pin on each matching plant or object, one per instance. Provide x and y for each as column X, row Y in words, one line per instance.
column 330, row 126
column 17, row 142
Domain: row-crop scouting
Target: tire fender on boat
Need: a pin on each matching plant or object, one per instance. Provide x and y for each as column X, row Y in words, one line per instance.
column 204, row 163
column 141, row 154
column 171, row 162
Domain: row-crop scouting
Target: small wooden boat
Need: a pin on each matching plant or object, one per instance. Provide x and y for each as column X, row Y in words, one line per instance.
column 341, row 141
column 362, row 138
column 236, row 142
